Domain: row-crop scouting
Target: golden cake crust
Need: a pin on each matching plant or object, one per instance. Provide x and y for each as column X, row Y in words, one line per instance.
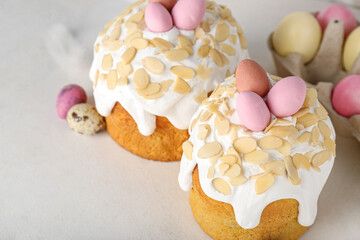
column 163, row 145
column 217, row 219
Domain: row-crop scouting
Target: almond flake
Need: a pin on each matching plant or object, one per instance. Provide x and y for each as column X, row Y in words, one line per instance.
column 150, row 90
column 229, row 159
column 311, row 97
column 183, row 72
column 177, row 55
column 115, row 45
column 221, row 186
column 270, row 125
column 304, row 137
column 233, row 171
column 139, row 43
column 309, row 154
column 199, row 33
column 320, row 158
column 285, row 149
column 130, row 37
column 243, row 41
column 236, row 181
column 233, row 39
column 226, row 48
column 222, row 125
column 153, row 65
column 162, row 44
column 205, row 26
column 103, row 77
column 222, row 168
column 204, row 131
column 232, row 152
column 188, row 149
column 276, row 167
column 330, row 145
column 123, row 81
column 107, row 62
column 205, row 116
column 216, row 56
column 128, row 55
column 97, row 47
column 256, row 157
column 317, row 169
column 96, row 78
column 321, row 112
column 283, row 121
column 211, row 172
column 203, row 51
column 245, row 144
column 215, row 158
column 165, row 85
column 315, row 135
column 263, row 183
column 115, row 34
column 141, row 79
column 300, row 161
column 222, row 32
column 180, row 86
column 200, row 97
column 209, row 150
column 112, row 80
column 203, row 72
column 292, row 171
column 308, row 120
column 299, row 126
column 283, row 131
column 270, row 142
column 184, row 41
column 324, row 129
column 123, row 69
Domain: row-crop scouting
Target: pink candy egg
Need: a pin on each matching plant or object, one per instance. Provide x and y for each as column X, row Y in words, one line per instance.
column 187, row 14
column 168, row 4
column 69, row 96
column 287, row 96
column 252, row 111
column 346, row 96
column 158, row 18
column 339, row 12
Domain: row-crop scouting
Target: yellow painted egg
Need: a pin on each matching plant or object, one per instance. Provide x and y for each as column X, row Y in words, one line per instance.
column 298, row 32
column 351, row 49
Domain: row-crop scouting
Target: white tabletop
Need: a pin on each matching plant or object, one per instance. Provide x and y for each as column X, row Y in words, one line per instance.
column 57, row 184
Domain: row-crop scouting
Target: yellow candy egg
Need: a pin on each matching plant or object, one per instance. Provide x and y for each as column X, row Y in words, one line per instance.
column 351, row 49
column 298, row 32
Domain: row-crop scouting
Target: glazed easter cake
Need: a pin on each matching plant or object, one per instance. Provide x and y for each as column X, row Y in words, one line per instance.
column 153, row 67
column 258, row 157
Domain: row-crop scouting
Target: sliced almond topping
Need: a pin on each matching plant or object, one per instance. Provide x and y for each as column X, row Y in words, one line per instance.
column 222, row 32
column 115, row 45
column 211, row 172
column 199, row 33
column 226, row 48
column 96, row 78
column 216, row 56
column 232, row 152
column 123, row 81
column 139, row 43
column 184, row 41
column 153, row 65
column 243, row 41
column 263, row 183
column 285, row 149
column 300, row 161
column 283, row 131
column 270, row 125
column 321, row 112
column 320, row 158
column 222, row 168
column 115, row 34
column 162, row 44
column 107, row 62
column 128, row 55
column 317, row 169
column 97, row 47
column 200, row 97
column 233, row 171
column 330, row 145
column 177, row 55
column 309, row 154
column 123, row 69
column 299, row 126
column 103, row 77
column 270, row 142
column 283, row 121
column 304, row 137
column 204, row 51
column 215, row 158
column 180, row 86
column 209, row 150
column 308, row 120
column 256, row 157
column 233, row 39
column 218, row 92
column 165, row 85
column 245, row 144
column 204, row 131
column 188, row 149
column 130, row 37
column 222, row 125
column 237, row 181
column 315, row 135
column 205, row 41
column 183, row 72
column 205, row 26
column 141, row 25
column 136, row 17
column 229, row 159
column 112, row 80
column 276, row 167
column 203, row 72
column 324, row 129
column 311, row 97
column 221, row 186
column 291, row 171
column 141, row 79
column 150, row 90
column 205, row 116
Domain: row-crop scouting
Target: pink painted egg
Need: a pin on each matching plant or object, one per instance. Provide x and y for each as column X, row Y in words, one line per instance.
column 250, row 76
column 187, row 14
column 168, row 4
column 158, row 18
column 69, row 96
column 346, row 96
column 252, row 111
column 287, row 96
column 339, row 12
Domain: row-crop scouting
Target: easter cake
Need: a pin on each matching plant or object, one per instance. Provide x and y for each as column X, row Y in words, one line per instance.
column 153, row 66
column 260, row 151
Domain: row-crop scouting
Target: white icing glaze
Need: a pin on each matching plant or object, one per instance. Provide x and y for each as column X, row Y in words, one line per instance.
column 177, row 108
column 248, row 206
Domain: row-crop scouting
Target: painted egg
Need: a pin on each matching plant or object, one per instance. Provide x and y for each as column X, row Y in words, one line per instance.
column 168, row 4
column 158, row 18
column 250, row 76
column 187, row 14
column 351, row 49
column 69, row 96
column 252, row 111
column 346, row 96
column 287, row 96
column 298, row 32
column 338, row 12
